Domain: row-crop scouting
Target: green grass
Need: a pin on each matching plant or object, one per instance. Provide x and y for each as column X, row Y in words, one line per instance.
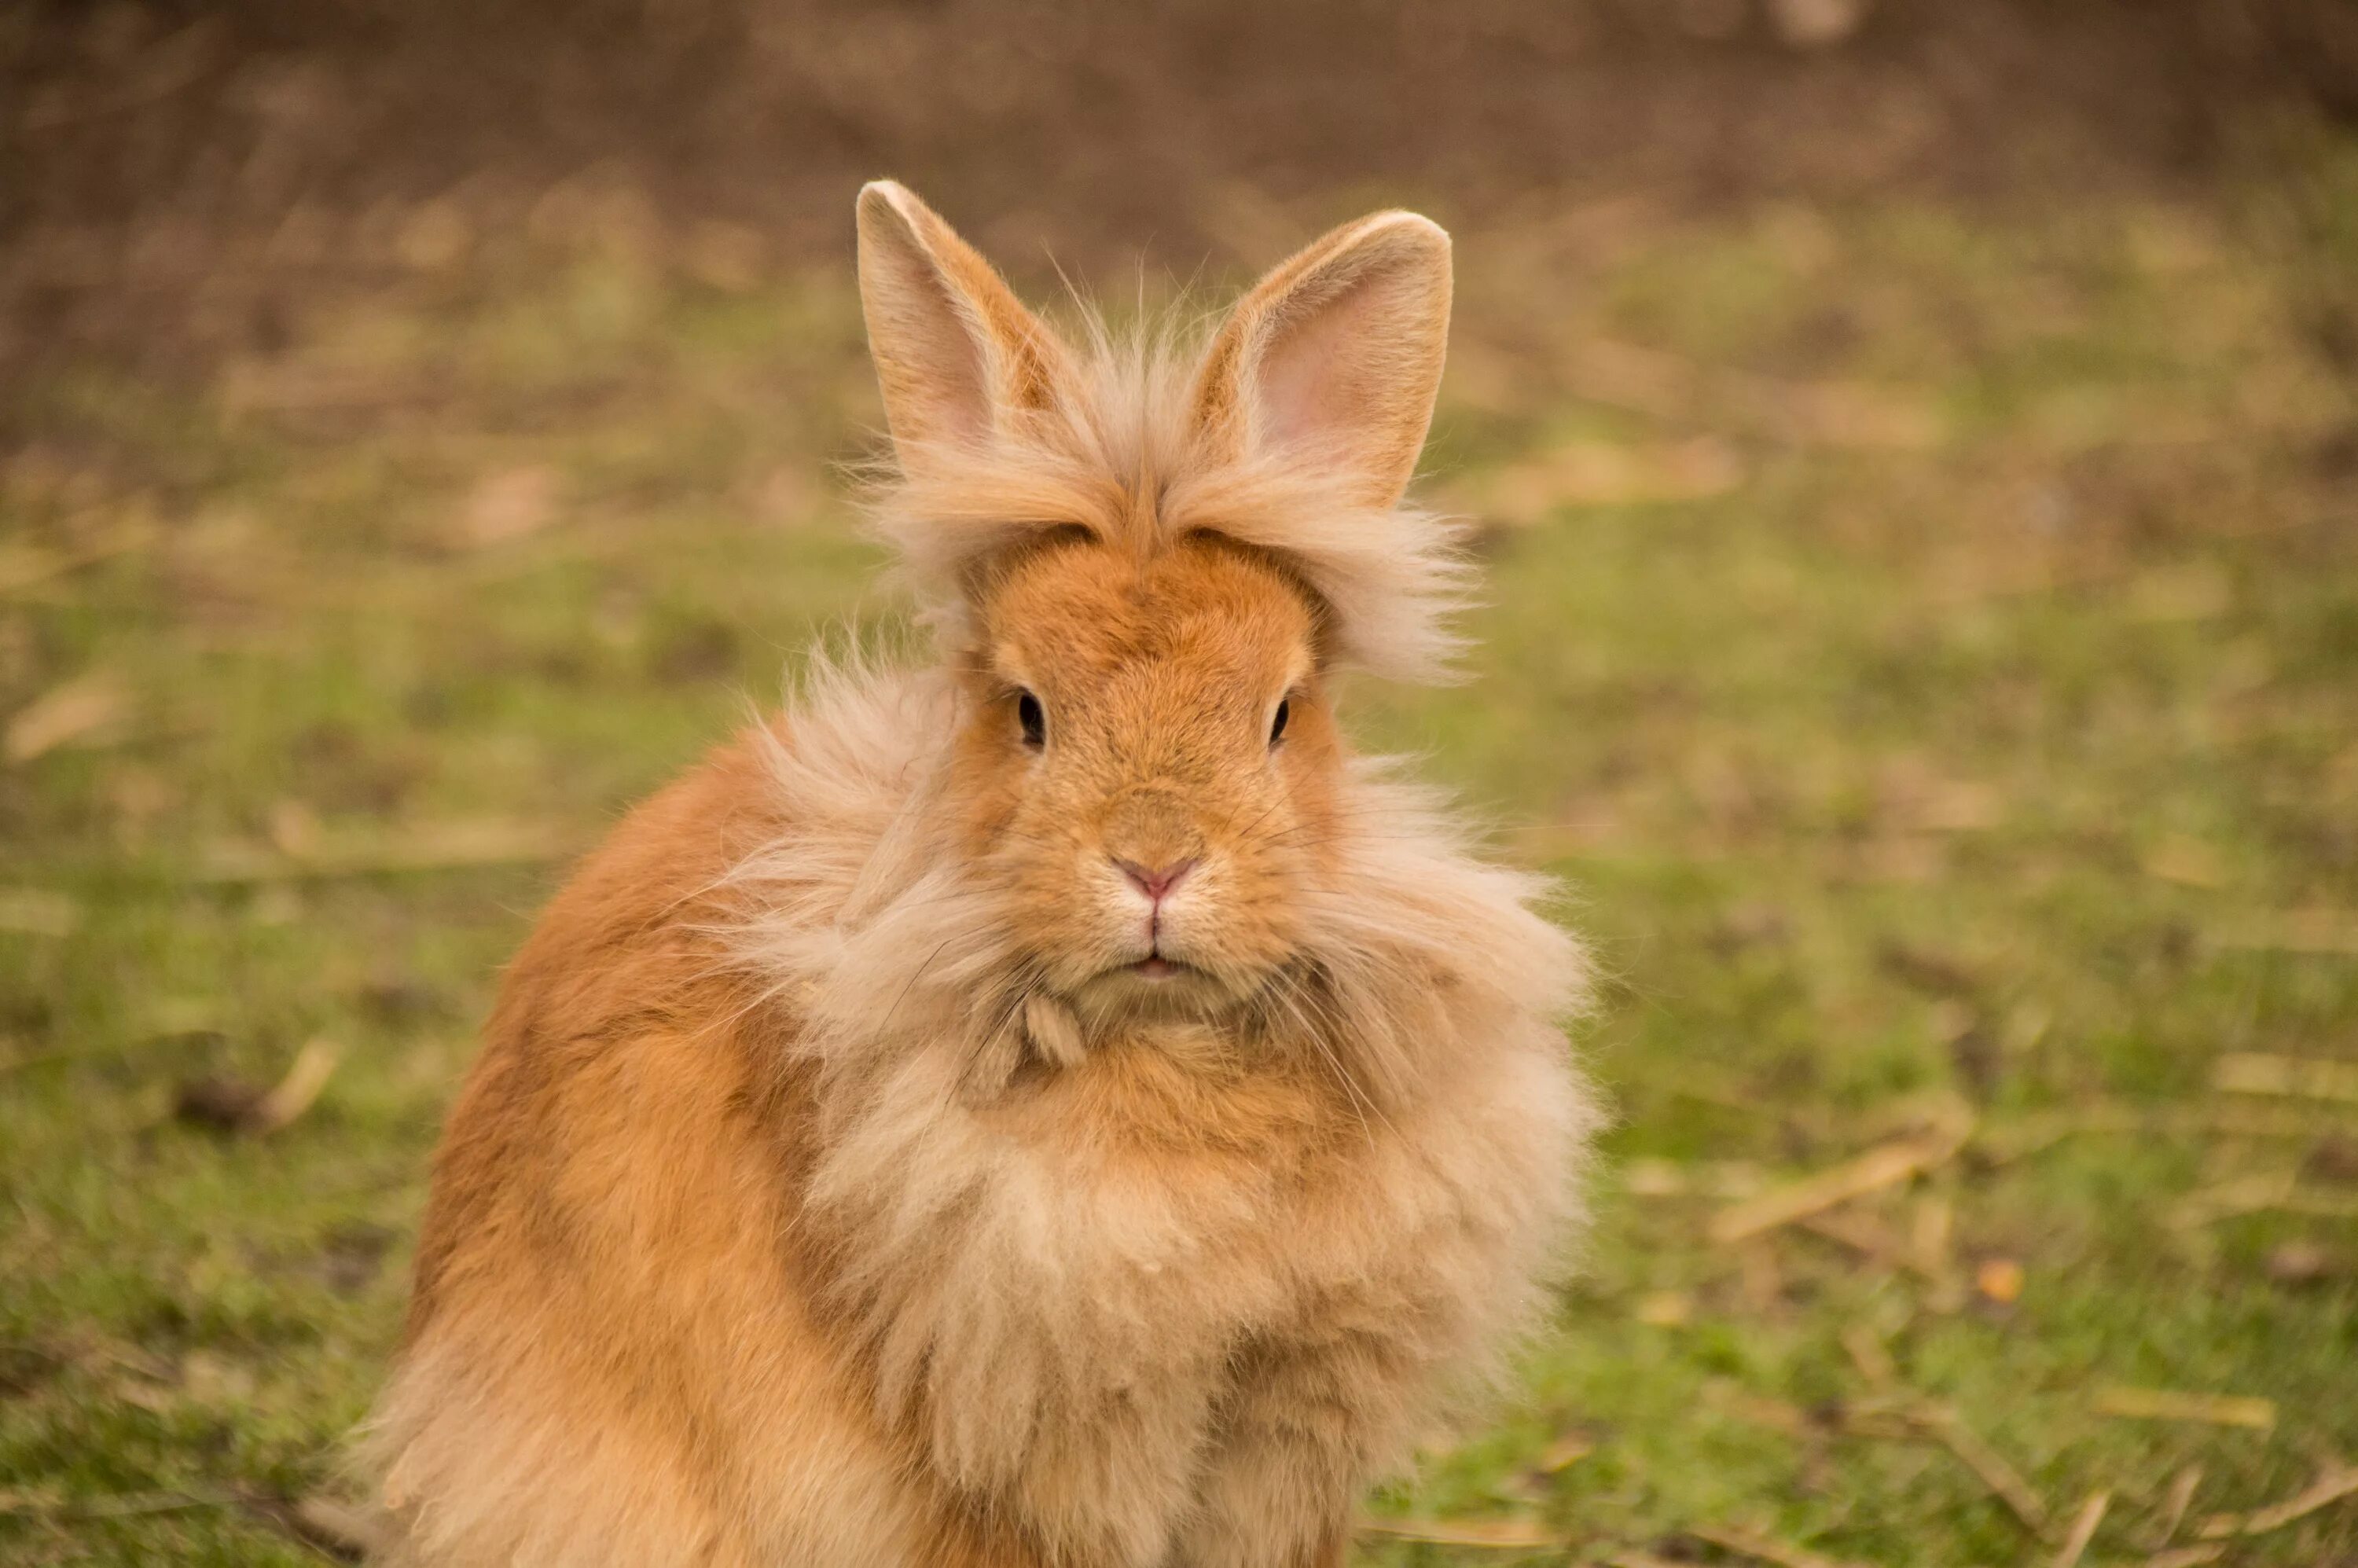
column 1977, row 736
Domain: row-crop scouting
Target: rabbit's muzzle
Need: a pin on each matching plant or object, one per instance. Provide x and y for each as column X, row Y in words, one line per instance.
column 1153, row 836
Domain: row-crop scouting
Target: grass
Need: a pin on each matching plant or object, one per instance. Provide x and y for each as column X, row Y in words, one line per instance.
column 1927, row 644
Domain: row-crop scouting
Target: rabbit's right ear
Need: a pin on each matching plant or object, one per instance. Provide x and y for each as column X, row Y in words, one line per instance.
column 955, row 351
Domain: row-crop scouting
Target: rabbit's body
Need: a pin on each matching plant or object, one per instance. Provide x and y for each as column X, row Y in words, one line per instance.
column 916, row 1139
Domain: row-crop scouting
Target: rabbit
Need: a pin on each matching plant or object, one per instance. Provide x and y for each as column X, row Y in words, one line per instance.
column 1053, row 1106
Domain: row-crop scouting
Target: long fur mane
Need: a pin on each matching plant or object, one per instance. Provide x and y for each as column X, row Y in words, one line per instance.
column 1112, row 448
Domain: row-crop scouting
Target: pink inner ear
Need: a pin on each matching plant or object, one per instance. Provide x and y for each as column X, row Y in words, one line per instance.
column 1312, row 389
column 934, row 355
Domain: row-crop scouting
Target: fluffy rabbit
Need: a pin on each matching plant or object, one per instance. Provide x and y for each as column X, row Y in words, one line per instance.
column 1057, row 1108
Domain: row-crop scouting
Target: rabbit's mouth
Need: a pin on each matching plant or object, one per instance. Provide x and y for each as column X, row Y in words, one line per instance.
column 1160, row 972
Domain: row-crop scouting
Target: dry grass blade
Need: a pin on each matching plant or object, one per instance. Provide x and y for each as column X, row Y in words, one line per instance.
column 2329, row 933
column 2301, row 1263
column 22, row 565
column 2174, row 1506
column 1506, row 1534
column 2328, row 1489
column 1600, row 473
column 1762, row 1547
column 1932, row 1239
column 1564, row 1453
column 2278, row 1192
column 81, row 709
column 36, row 912
column 1880, row 1246
column 120, row 1505
column 434, row 847
column 2083, row 1530
column 244, row 1108
column 2186, row 1557
column 2032, row 1135
column 29, row 566
column 2170, row 1404
column 2002, row 1478
column 506, row 506
column 2245, row 1194
column 2320, row 1205
column 1755, row 1410
column 1860, row 1233
column 1672, row 386
column 299, row 1090
column 335, row 1529
column 1672, row 1179
column 1882, row 1166
column 2291, row 1078
column 1870, row 1355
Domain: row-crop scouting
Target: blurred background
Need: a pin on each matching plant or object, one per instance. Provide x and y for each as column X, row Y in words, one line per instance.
column 1914, row 447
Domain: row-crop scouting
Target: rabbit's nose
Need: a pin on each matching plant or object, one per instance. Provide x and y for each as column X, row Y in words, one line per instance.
column 1155, row 882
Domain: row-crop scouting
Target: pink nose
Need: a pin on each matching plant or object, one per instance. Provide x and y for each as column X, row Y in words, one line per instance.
column 1155, row 882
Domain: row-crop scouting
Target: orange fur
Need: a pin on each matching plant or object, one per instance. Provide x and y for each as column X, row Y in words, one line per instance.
column 863, row 1168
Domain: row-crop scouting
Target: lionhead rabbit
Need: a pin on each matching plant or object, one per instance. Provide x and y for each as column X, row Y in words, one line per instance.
column 1057, row 1108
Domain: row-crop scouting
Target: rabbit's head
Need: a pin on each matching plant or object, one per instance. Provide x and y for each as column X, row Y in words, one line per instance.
column 1144, row 567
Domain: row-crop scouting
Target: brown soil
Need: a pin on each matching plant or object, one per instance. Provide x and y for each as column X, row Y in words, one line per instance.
column 176, row 178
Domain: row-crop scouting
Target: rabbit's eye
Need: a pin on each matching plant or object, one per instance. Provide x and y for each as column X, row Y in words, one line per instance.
column 1033, row 717
column 1277, row 725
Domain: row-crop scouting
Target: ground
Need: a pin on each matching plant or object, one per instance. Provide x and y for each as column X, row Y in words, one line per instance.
column 1924, row 637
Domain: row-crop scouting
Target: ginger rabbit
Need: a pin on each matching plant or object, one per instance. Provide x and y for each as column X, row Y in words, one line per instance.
column 1056, row 1108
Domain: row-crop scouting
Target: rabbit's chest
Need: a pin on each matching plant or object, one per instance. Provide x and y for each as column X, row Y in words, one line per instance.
column 1186, row 1219
column 1184, row 1194
column 1072, row 1295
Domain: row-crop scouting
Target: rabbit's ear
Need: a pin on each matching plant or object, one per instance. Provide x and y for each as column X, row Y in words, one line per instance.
column 1334, row 357
column 955, row 351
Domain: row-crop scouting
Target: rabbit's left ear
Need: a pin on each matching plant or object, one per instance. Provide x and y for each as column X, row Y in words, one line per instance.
column 1334, row 359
